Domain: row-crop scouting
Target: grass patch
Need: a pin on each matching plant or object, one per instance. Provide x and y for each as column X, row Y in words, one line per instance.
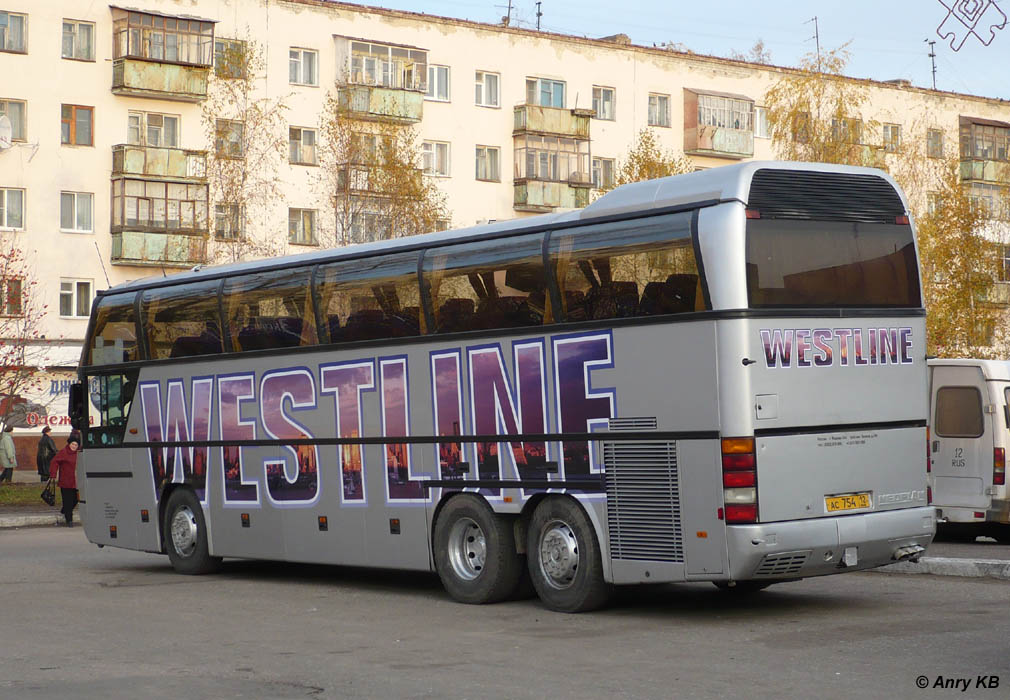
column 25, row 495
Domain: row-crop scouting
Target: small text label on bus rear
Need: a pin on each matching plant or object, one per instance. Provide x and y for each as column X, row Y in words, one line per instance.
column 826, row 347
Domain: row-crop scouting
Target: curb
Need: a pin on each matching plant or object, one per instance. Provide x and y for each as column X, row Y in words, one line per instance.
column 35, row 520
column 944, row 566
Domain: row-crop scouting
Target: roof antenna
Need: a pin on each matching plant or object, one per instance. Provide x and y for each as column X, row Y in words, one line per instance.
column 539, row 15
column 97, row 250
column 817, row 38
column 932, row 56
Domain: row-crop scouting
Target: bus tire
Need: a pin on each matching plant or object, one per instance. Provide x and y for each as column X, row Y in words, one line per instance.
column 185, row 535
column 475, row 552
column 564, row 557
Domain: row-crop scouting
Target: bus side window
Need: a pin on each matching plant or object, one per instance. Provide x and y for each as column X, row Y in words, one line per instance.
column 272, row 309
column 182, row 320
column 111, row 396
column 370, row 299
column 641, row 267
column 486, row 285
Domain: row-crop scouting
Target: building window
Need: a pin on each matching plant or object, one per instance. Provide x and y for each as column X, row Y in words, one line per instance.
column 229, row 58
column 892, row 137
column 603, row 173
column 388, row 66
column 165, row 39
column 150, row 129
column 724, row 112
column 13, row 297
column 160, row 206
column 544, row 92
column 228, row 221
column 847, row 130
column 75, row 298
column 438, row 83
column 1004, row 267
column 552, row 158
column 12, row 209
column 76, row 125
column 228, row 139
column 761, row 128
column 992, row 200
column 603, row 103
column 76, row 212
column 368, row 226
column 985, row 142
column 12, row 31
column 933, row 202
column 659, row 110
column 435, row 158
column 302, row 226
column 302, row 67
column 78, row 40
column 302, row 143
column 486, row 89
column 15, row 111
column 488, row 158
column 934, row 143
column 801, row 127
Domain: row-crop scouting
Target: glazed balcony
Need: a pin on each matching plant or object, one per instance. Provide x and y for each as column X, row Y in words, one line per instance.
column 718, row 142
column 158, row 162
column 982, row 170
column 149, row 249
column 375, row 103
column 544, row 196
column 573, row 123
column 133, row 77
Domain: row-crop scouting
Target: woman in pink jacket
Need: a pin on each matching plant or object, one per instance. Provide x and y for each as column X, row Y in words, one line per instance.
column 63, row 468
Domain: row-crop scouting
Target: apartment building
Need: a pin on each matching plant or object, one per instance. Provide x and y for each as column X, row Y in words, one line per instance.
column 105, row 179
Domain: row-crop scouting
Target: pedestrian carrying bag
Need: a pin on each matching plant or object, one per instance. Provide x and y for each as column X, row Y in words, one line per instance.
column 49, row 493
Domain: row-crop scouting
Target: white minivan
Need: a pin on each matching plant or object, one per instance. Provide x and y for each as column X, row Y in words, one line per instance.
column 969, row 436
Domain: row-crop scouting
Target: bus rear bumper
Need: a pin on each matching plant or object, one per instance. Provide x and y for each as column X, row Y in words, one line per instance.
column 821, row 546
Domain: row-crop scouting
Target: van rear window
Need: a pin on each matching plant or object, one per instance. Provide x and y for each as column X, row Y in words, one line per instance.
column 958, row 412
column 805, row 263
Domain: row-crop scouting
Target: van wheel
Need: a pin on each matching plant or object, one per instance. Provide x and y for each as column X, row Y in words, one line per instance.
column 563, row 556
column 475, row 552
column 185, row 535
column 740, row 588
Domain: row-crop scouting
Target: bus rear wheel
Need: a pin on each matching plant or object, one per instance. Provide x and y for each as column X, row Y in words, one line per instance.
column 564, row 558
column 185, row 534
column 475, row 552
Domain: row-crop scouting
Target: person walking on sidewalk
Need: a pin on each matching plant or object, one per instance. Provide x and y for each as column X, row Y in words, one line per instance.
column 44, row 455
column 8, row 455
column 63, row 468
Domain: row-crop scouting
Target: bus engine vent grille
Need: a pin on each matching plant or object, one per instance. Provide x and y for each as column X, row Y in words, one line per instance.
column 800, row 194
column 643, row 501
column 782, row 563
column 633, row 423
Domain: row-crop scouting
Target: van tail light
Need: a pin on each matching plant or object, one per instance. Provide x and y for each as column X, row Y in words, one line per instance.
column 739, row 480
column 998, row 466
column 929, row 462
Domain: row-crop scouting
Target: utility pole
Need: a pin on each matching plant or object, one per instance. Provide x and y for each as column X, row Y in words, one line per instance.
column 817, row 38
column 932, row 56
column 539, row 15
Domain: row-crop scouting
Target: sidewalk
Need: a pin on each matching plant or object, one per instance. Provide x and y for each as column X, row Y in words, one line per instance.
column 39, row 515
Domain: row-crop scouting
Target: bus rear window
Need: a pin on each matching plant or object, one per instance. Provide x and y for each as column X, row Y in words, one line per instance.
column 114, row 339
column 808, row 263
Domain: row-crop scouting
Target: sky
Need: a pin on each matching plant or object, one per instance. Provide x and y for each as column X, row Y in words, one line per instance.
column 886, row 38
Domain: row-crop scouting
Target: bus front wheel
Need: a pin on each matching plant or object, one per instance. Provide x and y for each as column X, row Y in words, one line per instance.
column 564, row 558
column 475, row 552
column 185, row 533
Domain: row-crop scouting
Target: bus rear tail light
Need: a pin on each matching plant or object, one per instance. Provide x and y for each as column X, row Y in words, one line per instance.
column 739, row 480
column 901, row 220
column 998, row 466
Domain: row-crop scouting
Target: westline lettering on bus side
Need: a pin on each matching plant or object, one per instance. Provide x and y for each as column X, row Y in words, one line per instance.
column 816, row 347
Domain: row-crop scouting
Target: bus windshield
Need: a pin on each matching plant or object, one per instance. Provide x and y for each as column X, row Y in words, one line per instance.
column 808, row 263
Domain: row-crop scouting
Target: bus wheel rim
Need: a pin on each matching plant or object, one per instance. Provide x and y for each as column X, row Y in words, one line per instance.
column 467, row 549
column 184, row 531
column 559, row 554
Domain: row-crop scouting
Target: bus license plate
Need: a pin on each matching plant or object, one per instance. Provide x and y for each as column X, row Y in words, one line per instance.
column 852, row 501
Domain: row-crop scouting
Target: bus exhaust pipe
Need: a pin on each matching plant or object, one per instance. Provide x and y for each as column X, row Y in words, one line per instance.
column 910, row 553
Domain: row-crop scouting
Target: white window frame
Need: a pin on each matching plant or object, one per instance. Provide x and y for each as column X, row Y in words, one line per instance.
column 228, row 221
column 598, row 172
column 482, row 91
column 937, row 136
column 230, row 48
column 5, row 209
column 300, row 152
column 71, row 288
column 492, row 165
column 439, row 79
column 19, row 294
column 146, row 123
column 662, row 109
column 535, row 91
column 891, row 134
column 762, row 130
column 599, row 104
column 298, row 235
column 5, row 109
column 387, row 65
column 77, row 201
column 228, row 133
column 5, row 32
column 74, row 35
column 435, row 158
column 298, row 67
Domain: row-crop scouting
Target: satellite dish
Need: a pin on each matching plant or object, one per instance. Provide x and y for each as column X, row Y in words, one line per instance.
column 5, row 132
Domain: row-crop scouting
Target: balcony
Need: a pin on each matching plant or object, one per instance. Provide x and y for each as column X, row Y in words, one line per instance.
column 718, row 124
column 718, row 142
column 983, row 170
column 133, row 77
column 545, row 196
column 374, row 103
column 159, row 162
column 573, row 123
column 148, row 249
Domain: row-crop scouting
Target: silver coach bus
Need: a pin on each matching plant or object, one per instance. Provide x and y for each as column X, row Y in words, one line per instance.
column 713, row 377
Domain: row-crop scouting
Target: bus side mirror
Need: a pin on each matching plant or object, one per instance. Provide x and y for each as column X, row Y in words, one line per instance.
column 75, row 409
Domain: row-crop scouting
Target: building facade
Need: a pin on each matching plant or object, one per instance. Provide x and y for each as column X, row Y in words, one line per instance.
column 106, row 177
